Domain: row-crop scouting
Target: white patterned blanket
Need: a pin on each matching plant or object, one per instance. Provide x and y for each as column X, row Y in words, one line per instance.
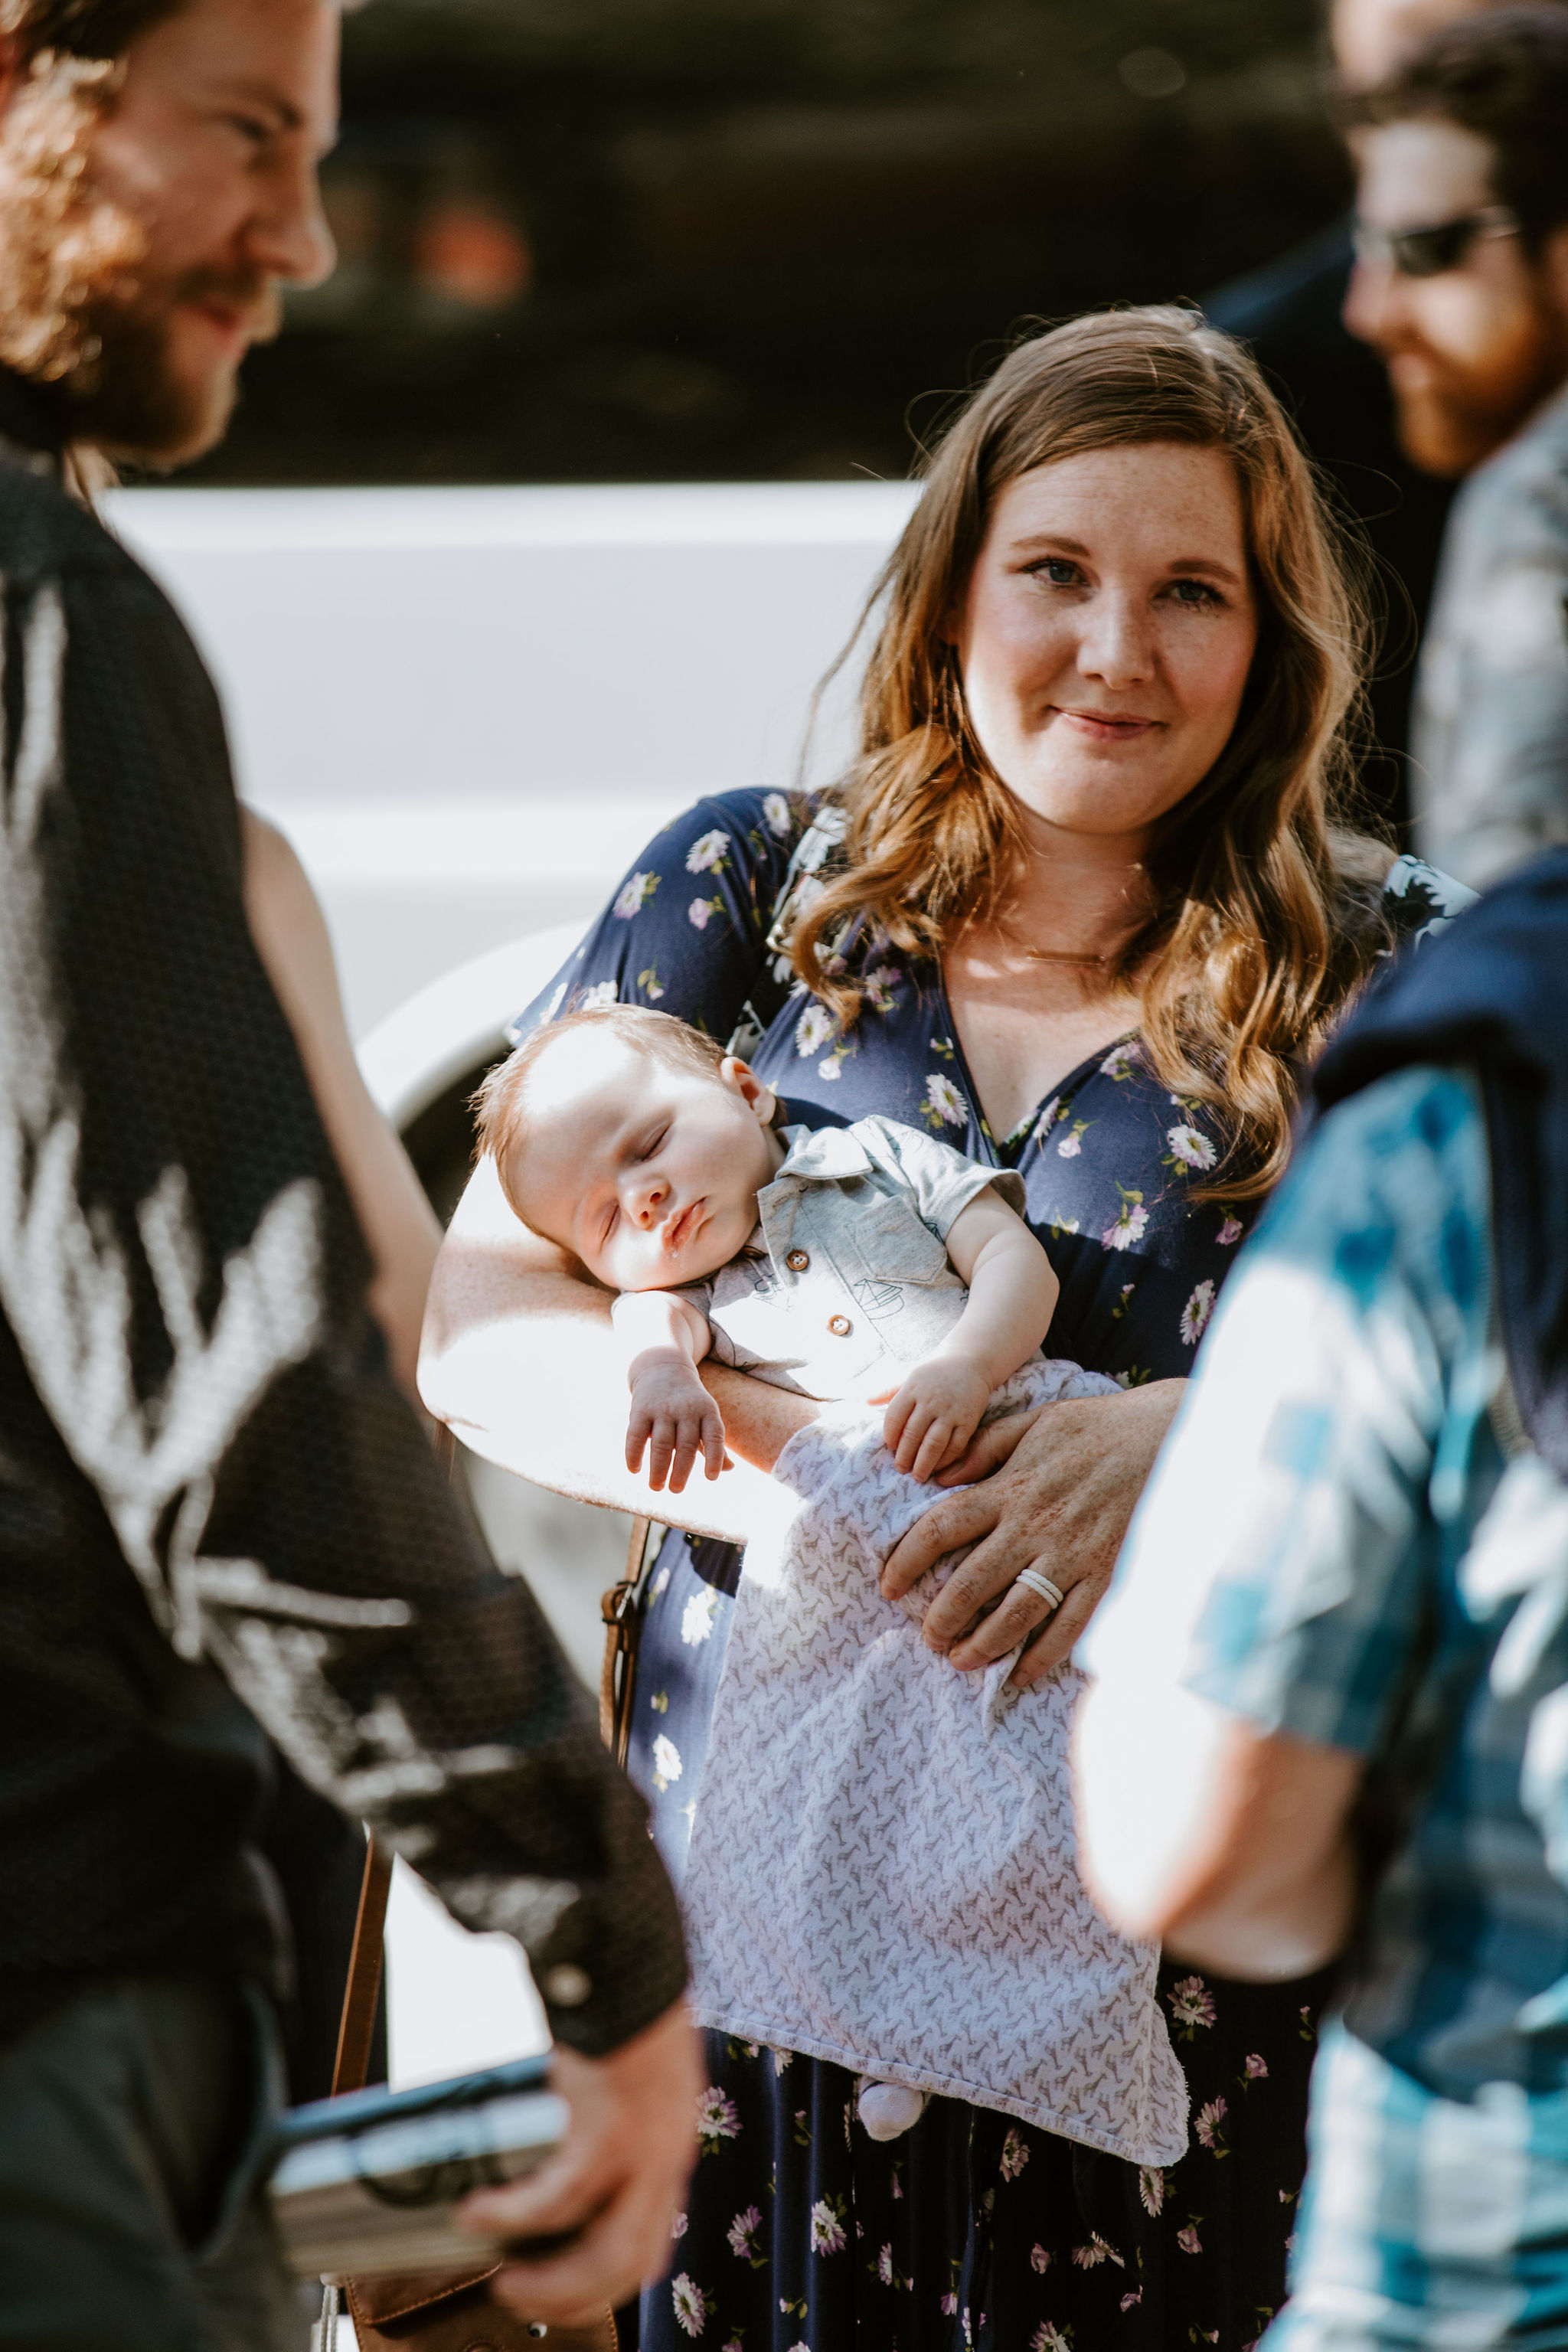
column 883, row 1858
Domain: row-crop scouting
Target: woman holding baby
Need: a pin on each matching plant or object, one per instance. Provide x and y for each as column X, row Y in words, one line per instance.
column 1080, row 909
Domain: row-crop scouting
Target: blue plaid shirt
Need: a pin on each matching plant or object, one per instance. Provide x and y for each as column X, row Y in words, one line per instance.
column 1336, row 1545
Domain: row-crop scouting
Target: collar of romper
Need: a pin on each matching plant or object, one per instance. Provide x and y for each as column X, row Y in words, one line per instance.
column 1492, row 994
column 822, row 1155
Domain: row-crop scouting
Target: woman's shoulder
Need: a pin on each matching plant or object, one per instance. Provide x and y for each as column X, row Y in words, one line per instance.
column 753, row 824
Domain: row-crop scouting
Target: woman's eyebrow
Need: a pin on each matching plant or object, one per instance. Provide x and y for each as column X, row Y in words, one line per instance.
column 1054, row 540
column 1208, row 565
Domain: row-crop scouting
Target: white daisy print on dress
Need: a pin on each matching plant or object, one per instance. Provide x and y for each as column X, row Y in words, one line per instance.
column 1121, row 1062
column 690, row 2305
column 1130, row 1226
column 880, row 984
column 633, row 895
column 814, row 1029
column 1196, row 1314
column 827, row 2235
column 1190, row 1148
column 775, row 814
column 743, row 2236
column 697, row 1618
column 718, row 2118
column 944, row 1105
column 708, row 852
column 702, row 911
column 1191, row 2004
column 1206, row 2126
column 1230, row 1232
column 602, row 992
column 667, row 1764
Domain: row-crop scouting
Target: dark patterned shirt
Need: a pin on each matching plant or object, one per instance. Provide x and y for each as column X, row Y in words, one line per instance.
column 217, row 1508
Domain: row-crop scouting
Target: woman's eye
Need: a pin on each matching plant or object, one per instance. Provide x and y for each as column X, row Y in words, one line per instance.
column 1196, row 594
column 249, row 129
column 651, row 1146
column 1058, row 572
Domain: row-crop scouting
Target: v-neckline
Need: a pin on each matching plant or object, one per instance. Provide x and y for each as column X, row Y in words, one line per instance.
column 1074, row 1077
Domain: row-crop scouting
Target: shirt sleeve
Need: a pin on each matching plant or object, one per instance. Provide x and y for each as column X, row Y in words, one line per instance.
column 687, row 931
column 184, row 1276
column 1495, row 681
column 942, row 1181
column 1281, row 1559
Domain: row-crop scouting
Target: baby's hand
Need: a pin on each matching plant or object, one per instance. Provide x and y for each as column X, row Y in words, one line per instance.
column 935, row 1414
column 674, row 1417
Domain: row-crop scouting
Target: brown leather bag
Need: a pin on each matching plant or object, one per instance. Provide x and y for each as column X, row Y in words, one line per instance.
column 622, row 1624
column 427, row 2311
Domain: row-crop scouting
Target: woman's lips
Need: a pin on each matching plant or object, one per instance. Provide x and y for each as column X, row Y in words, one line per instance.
column 1107, row 726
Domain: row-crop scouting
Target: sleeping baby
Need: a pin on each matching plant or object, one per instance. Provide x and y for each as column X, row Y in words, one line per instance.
column 867, row 1263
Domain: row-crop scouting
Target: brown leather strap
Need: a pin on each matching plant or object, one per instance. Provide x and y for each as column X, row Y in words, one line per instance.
column 357, row 2024
column 623, row 1625
column 363, row 1987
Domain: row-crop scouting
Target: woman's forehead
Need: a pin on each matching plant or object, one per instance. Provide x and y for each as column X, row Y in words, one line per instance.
column 1143, row 494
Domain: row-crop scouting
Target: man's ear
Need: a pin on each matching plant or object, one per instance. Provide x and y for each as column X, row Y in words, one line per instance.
column 743, row 1079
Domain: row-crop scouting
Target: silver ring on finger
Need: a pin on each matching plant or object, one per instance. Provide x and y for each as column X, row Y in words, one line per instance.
column 1042, row 1585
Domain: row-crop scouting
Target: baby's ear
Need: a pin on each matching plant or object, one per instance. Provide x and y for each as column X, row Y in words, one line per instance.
column 743, row 1079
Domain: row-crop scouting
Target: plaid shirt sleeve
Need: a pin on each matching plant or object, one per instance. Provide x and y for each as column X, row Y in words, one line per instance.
column 1279, row 1561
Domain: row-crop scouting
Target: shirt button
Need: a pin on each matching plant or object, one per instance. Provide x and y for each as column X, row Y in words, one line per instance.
column 797, row 1261
column 840, row 1326
column 567, row 1986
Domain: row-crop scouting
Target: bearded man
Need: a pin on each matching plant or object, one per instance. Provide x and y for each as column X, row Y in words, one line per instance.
column 1461, row 283
column 221, row 1527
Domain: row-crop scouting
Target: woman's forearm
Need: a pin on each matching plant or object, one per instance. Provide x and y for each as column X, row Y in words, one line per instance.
column 521, row 1361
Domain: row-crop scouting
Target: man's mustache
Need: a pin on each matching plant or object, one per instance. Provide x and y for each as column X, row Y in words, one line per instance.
column 255, row 297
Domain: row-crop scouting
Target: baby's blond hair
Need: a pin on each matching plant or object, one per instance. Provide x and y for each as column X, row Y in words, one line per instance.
column 500, row 1105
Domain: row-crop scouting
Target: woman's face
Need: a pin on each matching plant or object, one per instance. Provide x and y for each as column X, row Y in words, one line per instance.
column 1108, row 632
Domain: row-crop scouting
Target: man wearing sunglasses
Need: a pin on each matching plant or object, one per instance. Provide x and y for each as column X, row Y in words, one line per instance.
column 1461, row 283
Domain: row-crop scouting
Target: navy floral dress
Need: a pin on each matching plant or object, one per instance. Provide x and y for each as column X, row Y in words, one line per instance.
column 803, row 2234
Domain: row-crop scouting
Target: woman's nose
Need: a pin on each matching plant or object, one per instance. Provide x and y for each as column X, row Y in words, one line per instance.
column 1118, row 641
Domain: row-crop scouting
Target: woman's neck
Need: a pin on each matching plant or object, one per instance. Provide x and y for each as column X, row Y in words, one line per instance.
column 1033, row 986
column 1073, row 894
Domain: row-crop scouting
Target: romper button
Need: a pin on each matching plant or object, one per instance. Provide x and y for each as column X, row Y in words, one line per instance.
column 840, row 1326
column 797, row 1261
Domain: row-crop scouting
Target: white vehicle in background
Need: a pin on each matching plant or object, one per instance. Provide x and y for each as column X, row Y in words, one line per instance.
column 467, row 709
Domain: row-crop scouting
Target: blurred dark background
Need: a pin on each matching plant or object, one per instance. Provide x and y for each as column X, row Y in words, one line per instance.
column 600, row 240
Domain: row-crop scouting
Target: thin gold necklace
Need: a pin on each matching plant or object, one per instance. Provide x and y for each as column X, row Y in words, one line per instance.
column 1059, row 955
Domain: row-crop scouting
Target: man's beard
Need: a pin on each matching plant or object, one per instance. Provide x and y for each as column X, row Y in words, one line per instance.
column 79, row 310
column 1454, row 420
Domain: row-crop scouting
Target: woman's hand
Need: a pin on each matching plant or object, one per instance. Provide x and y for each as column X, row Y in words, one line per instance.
column 1056, row 1490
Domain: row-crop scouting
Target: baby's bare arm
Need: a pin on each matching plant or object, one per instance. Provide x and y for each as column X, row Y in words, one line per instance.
column 520, row 1359
column 1012, row 1288
column 1012, row 1298
column 673, row 1418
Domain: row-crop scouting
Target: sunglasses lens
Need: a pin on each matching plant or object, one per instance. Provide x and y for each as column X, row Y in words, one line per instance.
column 1428, row 252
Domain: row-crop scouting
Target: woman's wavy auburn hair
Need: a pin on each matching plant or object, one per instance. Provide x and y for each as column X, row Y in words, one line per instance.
column 1266, row 913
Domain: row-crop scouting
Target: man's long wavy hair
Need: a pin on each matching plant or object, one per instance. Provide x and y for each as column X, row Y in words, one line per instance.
column 1265, row 910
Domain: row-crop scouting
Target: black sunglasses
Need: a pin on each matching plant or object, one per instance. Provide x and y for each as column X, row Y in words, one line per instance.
column 1428, row 252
